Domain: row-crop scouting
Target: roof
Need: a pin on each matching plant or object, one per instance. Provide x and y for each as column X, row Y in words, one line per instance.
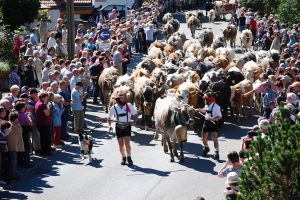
column 62, row 3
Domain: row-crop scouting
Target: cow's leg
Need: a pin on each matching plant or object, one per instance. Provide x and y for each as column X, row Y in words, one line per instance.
column 155, row 136
column 170, row 148
column 143, row 113
column 175, row 150
column 164, row 143
column 181, row 158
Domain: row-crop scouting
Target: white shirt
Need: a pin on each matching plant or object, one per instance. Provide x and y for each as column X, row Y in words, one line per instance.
column 149, row 33
column 45, row 74
column 51, row 42
column 113, row 115
column 73, row 82
column 216, row 111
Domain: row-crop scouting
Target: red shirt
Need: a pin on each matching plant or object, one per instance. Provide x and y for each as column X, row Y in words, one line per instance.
column 252, row 24
column 40, row 117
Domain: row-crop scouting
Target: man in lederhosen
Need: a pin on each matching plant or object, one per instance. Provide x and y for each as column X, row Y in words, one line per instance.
column 212, row 113
column 126, row 114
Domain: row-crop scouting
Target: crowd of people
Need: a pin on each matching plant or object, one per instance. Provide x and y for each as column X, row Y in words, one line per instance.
column 46, row 87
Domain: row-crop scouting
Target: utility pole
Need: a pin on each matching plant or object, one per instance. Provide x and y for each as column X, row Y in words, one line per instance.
column 71, row 29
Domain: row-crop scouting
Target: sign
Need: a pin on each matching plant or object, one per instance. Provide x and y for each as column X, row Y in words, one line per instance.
column 104, row 46
column 104, row 34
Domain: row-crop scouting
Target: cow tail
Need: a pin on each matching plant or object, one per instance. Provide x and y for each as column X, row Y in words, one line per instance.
column 169, row 119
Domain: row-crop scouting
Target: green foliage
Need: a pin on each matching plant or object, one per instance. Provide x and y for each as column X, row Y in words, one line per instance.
column 288, row 11
column 273, row 169
column 18, row 12
column 261, row 6
column 6, row 47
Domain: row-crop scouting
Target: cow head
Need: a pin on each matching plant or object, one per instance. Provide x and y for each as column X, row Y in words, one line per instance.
column 186, row 114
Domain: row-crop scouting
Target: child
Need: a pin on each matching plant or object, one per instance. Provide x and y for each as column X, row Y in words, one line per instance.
column 58, row 110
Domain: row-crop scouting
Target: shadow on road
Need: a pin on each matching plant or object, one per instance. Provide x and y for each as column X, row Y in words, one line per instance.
column 200, row 165
column 151, row 171
column 142, row 139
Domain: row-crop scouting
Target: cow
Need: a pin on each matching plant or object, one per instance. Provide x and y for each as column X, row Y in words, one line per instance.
column 249, row 56
column 238, row 100
column 139, row 73
column 193, row 23
column 128, row 90
column 175, row 41
column 168, row 16
column 251, row 71
column 188, row 15
column 144, row 90
column 171, row 117
column 190, row 94
column 190, row 62
column 246, row 38
column 218, row 42
column 206, row 52
column 106, row 83
column 199, row 15
column 230, row 35
column 212, row 16
column 221, row 61
column 168, row 30
column 181, row 35
column 175, row 23
column 227, row 52
column 154, row 52
column 157, row 44
column 208, row 38
column 147, row 64
column 174, row 80
column 223, row 8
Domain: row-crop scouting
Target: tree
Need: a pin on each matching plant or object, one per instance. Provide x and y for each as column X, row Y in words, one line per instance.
column 273, row 169
column 288, row 11
column 261, row 6
column 18, row 12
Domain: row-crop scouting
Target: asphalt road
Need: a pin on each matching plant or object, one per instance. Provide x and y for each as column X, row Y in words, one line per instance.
column 64, row 176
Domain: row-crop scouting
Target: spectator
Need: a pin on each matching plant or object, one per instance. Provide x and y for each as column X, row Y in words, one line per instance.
column 77, row 108
column 14, row 78
column 15, row 145
column 66, row 94
column 51, row 41
column 25, row 121
column 31, row 79
column 232, row 190
column 60, row 50
column 58, row 111
column 232, row 159
column 33, row 38
column 149, row 31
column 43, row 122
column 5, row 130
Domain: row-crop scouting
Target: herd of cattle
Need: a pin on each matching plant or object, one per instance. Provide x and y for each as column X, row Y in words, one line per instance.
column 170, row 84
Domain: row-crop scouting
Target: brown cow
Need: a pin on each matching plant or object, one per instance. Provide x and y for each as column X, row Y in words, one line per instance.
column 125, row 90
column 230, row 35
column 223, row 8
column 168, row 30
column 106, row 82
column 238, row 100
column 221, row 61
column 193, row 23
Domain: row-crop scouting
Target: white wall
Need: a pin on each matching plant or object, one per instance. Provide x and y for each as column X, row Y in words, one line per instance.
column 96, row 3
column 55, row 14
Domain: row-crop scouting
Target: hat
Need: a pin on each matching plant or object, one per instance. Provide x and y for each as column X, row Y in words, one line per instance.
column 33, row 91
column 232, row 177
